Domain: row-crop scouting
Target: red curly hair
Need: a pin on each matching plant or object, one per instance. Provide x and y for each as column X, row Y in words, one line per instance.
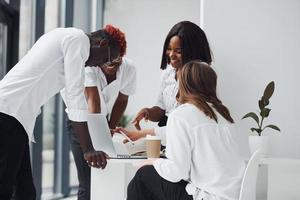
column 117, row 35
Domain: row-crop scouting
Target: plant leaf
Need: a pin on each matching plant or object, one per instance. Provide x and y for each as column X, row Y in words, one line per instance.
column 265, row 112
column 272, row 127
column 269, row 90
column 253, row 116
column 261, row 104
column 258, row 130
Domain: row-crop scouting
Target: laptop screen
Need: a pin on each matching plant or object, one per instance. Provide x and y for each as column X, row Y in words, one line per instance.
column 100, row 134
column 102, row 140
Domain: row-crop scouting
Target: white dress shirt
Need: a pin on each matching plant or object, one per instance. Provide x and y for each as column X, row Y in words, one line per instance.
column 168, row 90
column 55, row 61
column 202, row 152
column 167, row 97
column 125, row 83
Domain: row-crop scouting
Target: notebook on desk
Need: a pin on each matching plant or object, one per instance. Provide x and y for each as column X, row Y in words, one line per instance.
column 102, row 140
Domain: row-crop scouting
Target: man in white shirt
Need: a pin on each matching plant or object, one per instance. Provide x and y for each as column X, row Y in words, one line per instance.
column 55, row 61
column 107, row 89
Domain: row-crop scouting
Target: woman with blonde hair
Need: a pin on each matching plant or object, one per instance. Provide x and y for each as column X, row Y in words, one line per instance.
column 203, row 161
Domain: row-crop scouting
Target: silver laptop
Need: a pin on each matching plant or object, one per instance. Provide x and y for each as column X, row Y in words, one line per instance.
column 101, row 137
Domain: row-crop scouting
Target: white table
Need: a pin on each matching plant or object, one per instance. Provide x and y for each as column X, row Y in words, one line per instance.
column 283, row 179
column 111, row 183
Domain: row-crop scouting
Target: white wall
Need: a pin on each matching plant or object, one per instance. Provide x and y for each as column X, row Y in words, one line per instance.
column 254, row 42
column 146, row 24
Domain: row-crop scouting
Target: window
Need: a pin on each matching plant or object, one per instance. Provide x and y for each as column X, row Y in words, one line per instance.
column 9, row 28
column 3, row 49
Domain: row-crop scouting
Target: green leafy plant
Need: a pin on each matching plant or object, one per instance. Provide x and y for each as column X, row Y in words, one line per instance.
column 264, row 111
column 124, row 121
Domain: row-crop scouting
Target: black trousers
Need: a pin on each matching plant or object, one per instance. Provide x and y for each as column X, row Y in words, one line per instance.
column 163, row 121
column 83, row 169
column 15, row 167
column 148, row 185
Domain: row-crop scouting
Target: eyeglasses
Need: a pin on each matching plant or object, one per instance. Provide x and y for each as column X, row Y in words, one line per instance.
column 111, row 62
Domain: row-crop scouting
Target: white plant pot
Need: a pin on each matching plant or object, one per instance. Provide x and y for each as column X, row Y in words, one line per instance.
column 261, row 143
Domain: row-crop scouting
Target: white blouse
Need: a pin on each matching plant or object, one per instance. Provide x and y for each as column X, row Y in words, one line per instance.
column 167, row 97
column 125, row 83
column 202, row 152
column 168, row 90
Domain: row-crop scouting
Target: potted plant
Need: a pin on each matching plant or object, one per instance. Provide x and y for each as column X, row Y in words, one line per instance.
column 260, row 141
column 124, row 121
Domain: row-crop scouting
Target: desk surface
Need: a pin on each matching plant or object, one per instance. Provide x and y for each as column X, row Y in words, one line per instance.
column 263, row 160
column 277, row 161
column 280, row 161
column 134, row 162
column 126, row 160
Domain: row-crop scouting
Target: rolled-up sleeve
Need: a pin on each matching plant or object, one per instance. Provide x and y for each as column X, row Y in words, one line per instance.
column 178, row 163
column 76, row 51
column 90, row 77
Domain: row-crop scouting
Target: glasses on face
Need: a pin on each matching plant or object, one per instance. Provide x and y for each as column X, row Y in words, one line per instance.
column 112, row 63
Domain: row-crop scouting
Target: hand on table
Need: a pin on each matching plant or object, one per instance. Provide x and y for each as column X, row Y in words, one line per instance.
column 96, row 159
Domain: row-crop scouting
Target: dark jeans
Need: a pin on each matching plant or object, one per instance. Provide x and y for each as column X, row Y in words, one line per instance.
column 15, row 167
column 148, row 185
column 83, row 170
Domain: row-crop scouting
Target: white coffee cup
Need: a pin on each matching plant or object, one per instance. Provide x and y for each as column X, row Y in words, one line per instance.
column 153, row 144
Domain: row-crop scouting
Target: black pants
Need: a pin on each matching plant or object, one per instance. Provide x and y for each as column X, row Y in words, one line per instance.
column 15, row 167
column 163, row 121
column 148, row 185
column 83, row 170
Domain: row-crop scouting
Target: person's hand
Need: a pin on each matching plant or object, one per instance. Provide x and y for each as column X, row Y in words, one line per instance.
column 142, row 114
column 96, row 158
column 133, row 135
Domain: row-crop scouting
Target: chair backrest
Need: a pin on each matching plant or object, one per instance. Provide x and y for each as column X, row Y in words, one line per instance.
column 248, row 187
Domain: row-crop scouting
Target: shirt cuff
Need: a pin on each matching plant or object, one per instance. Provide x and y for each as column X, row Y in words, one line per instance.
column 161, row 132
column 77, row 115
